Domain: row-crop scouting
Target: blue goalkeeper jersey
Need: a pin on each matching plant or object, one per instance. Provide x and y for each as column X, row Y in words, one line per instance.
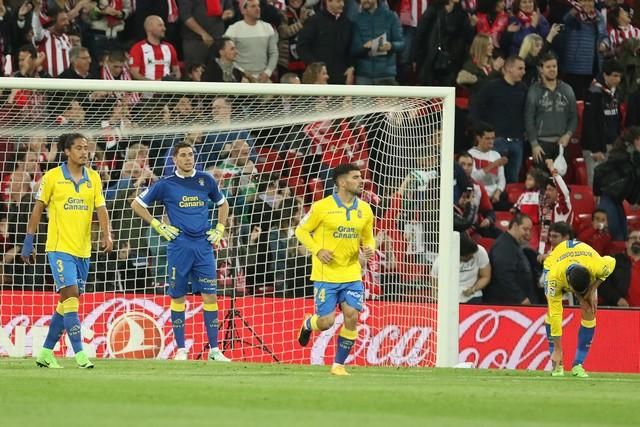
column 186, row 201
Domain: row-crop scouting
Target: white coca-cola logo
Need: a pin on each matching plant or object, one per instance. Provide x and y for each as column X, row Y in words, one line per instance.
column 387, row 346
column 531, row 345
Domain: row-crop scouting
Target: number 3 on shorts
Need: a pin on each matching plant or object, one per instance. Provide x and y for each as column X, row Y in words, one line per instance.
column 60, row 265
column 320, row 296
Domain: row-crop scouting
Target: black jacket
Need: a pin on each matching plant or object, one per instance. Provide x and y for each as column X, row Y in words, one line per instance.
column 617, row 284
column 327, row 39
column 511, row 276
column 618, row 176
column 601, row 121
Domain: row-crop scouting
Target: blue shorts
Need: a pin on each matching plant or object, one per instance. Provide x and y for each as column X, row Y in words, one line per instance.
column 68, row 270
column 327, row 296
column 191, row 267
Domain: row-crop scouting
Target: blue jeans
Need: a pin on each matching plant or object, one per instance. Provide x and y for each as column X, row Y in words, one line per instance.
column 511, row 148
column 615, row 215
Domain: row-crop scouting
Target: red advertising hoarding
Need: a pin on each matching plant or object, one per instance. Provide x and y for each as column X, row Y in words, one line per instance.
column 265, row 329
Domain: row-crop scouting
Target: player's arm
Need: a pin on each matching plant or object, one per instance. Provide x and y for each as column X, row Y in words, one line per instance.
column 140, row 207
column 105, row 227
column 368, row 239
column 307, row 226
column 215, row 234
column 28, row 256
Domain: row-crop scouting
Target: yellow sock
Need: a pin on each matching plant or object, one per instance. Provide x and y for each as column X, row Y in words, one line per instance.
column 210, row 307
column 314, row 322
column 588, row 323
column 178, row 306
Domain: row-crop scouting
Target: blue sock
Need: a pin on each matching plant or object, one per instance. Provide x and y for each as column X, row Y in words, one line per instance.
column 72, row 323
column 549, row 340
column 56, row 328
column 345, row 342
column 210, row 314
column 177, row 322
column 585, row 336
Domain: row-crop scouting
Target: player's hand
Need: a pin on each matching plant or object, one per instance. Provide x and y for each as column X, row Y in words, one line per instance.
column 28, row 255
column 106, row 243
column 368, row 252
column 169, row 232
column 325, row 256
column 215, row 234
column 468, row 292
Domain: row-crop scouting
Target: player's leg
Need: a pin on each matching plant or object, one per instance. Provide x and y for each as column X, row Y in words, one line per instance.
column 325, row 299
column 178, row 266
column 350, row 297
column 585, row 333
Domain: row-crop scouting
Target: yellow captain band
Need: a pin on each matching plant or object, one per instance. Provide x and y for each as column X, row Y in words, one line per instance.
column 588, row 323
column 348, row 334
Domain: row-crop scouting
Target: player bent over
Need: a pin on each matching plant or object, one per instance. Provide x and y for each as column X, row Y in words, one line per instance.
column 70, row 192
column 334, row 230
column 185, row 196
column 573, row 266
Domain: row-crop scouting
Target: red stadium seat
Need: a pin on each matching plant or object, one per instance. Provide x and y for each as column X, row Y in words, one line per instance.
column 580, row 221
column 316, row 189
column 580, row 108
column 486, row 242
column 269, row 161
column 502, row 220
column 582, row 200
column 579, row 171
column 514, row 190
column 633, row 221
column 294, row 163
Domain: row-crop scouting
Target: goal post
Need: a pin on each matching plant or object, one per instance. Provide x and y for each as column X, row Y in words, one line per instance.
column 271, row 148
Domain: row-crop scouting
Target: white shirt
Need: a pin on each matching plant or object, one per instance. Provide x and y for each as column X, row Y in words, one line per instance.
column 468, row 272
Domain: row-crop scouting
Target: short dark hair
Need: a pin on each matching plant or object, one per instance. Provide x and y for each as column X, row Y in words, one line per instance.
column 518, row 219
column 178, row 146
column 66, row 140
column 512, row 59
column 30, row 49
column 579, row 278
column 220, row 44
column 611, row 66
column 467, row 245
column 548, row 56
column 480, row 128
column 343, row 169
column 117, row 56
column 465, row 154
column 593, row 215
column 563, row 228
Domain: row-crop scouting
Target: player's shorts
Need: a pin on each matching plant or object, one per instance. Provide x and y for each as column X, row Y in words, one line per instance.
column 327, row 296
column 68, row 270
column 191, row 266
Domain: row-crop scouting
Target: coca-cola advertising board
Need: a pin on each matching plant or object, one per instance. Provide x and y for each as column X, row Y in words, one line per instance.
column 265, row 329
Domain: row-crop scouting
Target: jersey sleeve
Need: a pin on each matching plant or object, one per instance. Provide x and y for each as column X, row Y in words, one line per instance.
column 46, row 189
column 98, row 199
column 308, row 225
column 553, row 291
column 214, row 192
column 151, row 194
column 135, row 57
column 606, row 266
column 368, row 239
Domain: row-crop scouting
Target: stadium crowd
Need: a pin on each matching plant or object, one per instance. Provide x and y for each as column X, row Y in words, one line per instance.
column 547, row 139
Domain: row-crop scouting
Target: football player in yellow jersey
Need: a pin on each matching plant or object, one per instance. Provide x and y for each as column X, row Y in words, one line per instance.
column 334, row 231
column 70, row 192
column 573, row 266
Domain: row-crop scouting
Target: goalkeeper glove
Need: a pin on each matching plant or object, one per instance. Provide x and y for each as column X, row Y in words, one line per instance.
column 215, row 234
column 27, row 246
column 169, row 232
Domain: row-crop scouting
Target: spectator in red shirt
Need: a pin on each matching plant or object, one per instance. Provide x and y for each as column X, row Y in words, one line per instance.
column 153, row 58
column 622, row 287
column 597, row 233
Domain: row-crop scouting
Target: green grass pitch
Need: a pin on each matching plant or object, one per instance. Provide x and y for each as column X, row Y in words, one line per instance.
column 167, row 393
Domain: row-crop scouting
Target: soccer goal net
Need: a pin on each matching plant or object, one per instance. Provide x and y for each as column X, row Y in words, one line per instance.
column 271, row 148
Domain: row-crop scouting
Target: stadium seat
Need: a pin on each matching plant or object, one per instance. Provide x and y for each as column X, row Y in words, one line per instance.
column 617, row 246
column 580, row 110
column 580, row 221
column 582, row 200
column 579, row 171
column 316, row 189
column 269, row 161
column 486, row 242
column 294, row 163
column 514, row 190
column 502, row 220
column 296, row 185
column 633, row 221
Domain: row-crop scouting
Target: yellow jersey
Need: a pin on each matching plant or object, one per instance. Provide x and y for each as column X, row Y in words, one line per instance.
column 340, row 229
column 70, row 209
column 555, row 271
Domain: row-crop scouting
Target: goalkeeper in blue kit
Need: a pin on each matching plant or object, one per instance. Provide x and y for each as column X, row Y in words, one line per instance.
column 334, row 231
column 191, row 262
column 573, row 266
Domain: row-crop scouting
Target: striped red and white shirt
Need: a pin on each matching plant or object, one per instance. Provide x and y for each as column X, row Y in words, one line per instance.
column 617, row 36
column 410, row 11
column 56, row 48
column 153, row 61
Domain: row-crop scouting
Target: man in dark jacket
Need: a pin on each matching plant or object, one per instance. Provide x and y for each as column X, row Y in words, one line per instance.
column 377, row 40
column 622, row 287
column 601, row 122
column 512, row 279
column 326, row 37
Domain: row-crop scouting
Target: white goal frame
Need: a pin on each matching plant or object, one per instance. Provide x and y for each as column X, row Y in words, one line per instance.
column 448, row 244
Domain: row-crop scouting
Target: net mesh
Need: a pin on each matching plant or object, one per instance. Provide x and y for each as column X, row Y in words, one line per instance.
column 272, row 157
